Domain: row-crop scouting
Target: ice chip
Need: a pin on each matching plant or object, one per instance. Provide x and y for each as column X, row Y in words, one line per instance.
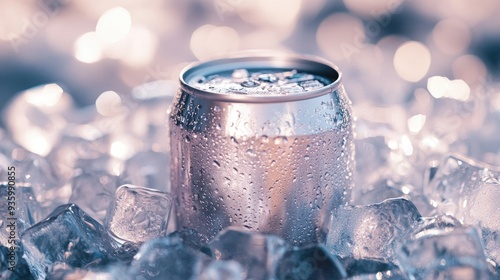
column 312, row 262
column 257, row 253
column 67, row 237
column 371, row 231
column 270, row 78
column 138, row 214
column 167, row 258
column 93, row 192
column 469, row 191
column 444, row 254
column 253, row 82
column 239, row 74
column 222, row 270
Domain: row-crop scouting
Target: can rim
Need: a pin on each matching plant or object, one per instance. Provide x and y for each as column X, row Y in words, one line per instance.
column 261, row 60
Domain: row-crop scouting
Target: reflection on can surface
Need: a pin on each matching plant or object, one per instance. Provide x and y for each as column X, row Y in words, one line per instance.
column 271, row 152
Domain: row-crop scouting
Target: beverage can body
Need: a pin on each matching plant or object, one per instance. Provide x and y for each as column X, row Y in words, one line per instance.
column 272, row 163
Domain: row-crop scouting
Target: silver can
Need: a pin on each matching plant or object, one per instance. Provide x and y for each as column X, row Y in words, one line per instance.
column 261, row 142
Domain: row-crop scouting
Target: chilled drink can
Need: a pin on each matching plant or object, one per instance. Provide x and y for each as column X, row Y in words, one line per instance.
column 263, row 142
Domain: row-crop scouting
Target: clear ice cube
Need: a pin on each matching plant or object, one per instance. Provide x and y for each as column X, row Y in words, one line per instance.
column 138, row 214
column 469, row 191
column 312, row 262
column 167, row 258
column 257, row 253
column 387, row 188
column 371, row 231
column 67, row 237
column 443, row 252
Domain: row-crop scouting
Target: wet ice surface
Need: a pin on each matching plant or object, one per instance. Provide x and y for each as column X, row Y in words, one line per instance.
column 256, row 253
column 371, row 231
column 67, row 237
column 457, row 237
column 138, row 214
column 242, row 81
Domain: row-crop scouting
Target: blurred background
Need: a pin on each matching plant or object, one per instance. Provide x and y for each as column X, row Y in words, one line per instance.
column 386, row 48
column 423, row 75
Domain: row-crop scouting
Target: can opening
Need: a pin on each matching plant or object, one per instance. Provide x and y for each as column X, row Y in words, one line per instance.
column 261, row 78
column 260, row 82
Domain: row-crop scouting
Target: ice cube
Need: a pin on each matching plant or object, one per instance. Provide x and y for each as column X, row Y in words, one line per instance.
column 469, row 191
column 126, row 252
column 12, row 265
column 23, row 214
column 369, row 269
column 67, row 237
column 257, row 253
column 387, row 188
column 167, row 258
column 371, row 231
column 379, row 191
column 138, row 214
column 312, row 262
column 93, row 192
column 443, row 253
column 222, row 270
column 193, row 239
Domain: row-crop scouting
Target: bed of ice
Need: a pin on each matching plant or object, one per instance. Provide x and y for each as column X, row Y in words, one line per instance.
column 93, row 202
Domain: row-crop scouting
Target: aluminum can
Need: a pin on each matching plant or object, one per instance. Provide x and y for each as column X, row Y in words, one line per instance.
column 275, row 161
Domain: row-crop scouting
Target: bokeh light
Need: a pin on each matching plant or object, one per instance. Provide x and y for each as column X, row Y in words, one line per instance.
column 210, row 41
column 440, row 87
column 372, row 9
column 340, row 36
column 470, row 68
column 416, row 123
column 412, row 61
column 114, row 25
column 277, row 13
column 451, row 36
column 109, row 103
column 88, row 48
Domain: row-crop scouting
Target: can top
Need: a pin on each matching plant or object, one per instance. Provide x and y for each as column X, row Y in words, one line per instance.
column 261, row 78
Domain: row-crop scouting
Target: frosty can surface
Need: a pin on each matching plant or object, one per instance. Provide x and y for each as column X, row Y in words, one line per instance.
column 261, row 142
